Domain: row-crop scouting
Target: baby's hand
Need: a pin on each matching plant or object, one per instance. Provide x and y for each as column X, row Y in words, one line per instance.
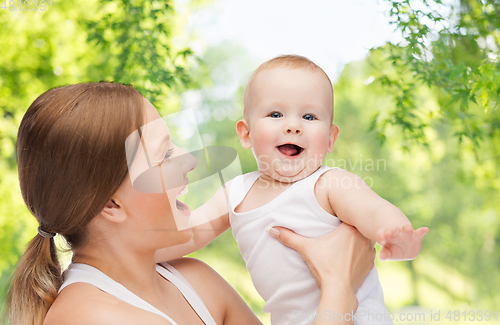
column 400, row 243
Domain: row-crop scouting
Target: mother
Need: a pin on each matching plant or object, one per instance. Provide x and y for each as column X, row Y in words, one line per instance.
column 74, row 179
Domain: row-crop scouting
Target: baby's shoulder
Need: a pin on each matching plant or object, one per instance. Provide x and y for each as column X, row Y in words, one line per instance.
column 336, row 178
column 334, row 186
column 241, row 179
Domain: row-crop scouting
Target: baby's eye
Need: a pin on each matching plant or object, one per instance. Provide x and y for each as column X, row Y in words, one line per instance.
column 308, row 117
column 276, row 115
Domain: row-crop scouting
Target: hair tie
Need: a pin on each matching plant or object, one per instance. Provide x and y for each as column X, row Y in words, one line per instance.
column 45, row 234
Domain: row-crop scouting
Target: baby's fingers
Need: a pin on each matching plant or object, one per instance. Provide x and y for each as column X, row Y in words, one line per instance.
column 388, row 235
column 420, row 232
column 408, row 229
column 384, row 254
column 384, row 235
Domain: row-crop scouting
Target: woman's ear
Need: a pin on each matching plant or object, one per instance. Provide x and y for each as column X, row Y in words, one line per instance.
column 113, row 212
column 243, row 131
column 334, row 133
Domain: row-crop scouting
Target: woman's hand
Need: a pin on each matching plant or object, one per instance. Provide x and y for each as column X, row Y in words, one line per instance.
column 341, row 258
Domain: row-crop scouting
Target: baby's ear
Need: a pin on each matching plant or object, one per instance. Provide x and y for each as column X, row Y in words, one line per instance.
column 243, row 131
column 334, row 133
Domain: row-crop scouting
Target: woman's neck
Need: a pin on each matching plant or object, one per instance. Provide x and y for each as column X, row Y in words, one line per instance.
column 134, row 269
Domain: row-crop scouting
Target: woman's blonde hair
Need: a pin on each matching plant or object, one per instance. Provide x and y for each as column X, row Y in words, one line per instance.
column 71, row 160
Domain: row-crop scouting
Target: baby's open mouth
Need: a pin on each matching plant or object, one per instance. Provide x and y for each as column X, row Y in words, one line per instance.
column 290, row 149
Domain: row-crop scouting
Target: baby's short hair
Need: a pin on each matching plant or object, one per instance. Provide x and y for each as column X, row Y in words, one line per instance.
column 291, row 61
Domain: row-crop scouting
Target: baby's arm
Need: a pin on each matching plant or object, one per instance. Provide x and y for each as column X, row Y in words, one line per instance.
column 356, row 204
column 208, row 222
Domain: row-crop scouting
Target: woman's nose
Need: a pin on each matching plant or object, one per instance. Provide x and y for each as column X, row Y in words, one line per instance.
column 188, row 161
column 191, row 162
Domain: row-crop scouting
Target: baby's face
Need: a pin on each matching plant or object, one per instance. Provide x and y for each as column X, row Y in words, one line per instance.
column 289, row 117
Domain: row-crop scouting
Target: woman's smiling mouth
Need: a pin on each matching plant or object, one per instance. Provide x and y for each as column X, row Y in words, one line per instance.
column 183, row 208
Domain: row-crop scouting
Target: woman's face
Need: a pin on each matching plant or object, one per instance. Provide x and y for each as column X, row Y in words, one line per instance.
column 157, row 176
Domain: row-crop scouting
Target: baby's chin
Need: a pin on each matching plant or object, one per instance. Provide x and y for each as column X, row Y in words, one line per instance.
column 288, row 171
column 288, row 176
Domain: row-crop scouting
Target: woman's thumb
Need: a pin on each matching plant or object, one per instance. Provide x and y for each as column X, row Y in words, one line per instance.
column 287, row 237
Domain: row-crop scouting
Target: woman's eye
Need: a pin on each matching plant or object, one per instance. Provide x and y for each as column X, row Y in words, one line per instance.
column 276, row 115
column 308, row 117
column 168, row 154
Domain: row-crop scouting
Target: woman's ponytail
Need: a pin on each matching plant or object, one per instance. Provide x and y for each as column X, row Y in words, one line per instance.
column 35, row 283
column 71, row 159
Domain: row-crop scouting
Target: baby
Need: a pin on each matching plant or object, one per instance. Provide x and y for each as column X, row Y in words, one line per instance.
column 287, row 122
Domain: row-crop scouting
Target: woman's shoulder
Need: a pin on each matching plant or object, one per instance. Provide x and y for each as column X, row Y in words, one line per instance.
column 215, row 292
column 191, row 266
column 204, row 279
column 83, row 303
column 200, row 275
column 223, row 302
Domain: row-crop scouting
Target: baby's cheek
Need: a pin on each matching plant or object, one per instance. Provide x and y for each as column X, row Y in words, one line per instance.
column 261, row 147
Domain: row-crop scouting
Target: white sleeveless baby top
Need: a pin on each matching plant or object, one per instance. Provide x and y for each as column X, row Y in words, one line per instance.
column 78, row 272
column 279, row 273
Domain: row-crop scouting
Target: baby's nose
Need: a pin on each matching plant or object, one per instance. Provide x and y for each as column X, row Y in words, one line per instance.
column 293, row 130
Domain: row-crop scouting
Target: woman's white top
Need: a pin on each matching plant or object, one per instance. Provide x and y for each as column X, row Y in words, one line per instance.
column 78, row 272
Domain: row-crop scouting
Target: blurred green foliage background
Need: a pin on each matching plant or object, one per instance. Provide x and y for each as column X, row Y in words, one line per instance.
column 419, row 122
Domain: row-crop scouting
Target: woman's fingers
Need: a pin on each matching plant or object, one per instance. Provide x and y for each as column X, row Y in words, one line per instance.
column 343, row 255
column 288, row 238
